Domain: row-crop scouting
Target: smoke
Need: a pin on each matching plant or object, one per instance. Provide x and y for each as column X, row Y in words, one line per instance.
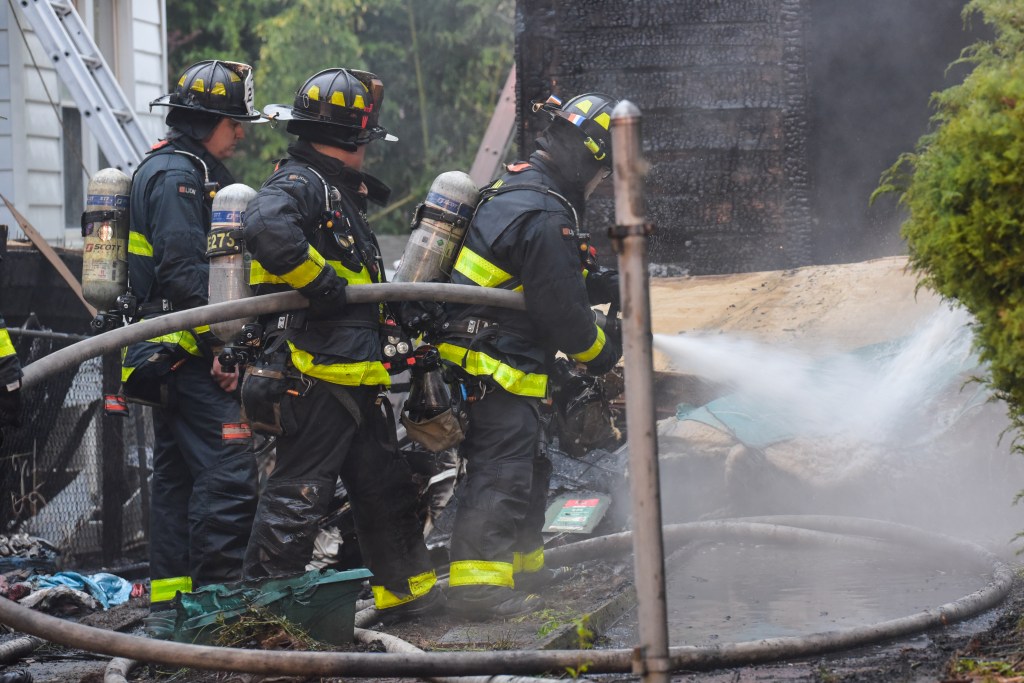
column 872, row 68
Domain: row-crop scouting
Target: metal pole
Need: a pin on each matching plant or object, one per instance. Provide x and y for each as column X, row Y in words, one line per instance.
column 111, row 466
column 629, row 239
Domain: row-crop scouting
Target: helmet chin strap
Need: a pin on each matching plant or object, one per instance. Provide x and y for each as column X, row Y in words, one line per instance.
column 592, row 184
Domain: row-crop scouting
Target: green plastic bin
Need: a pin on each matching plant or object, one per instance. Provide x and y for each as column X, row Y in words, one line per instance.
column 321, row 602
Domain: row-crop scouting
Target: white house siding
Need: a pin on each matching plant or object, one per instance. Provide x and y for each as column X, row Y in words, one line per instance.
column 149, row 33
column 38, row 156
column 31, row 140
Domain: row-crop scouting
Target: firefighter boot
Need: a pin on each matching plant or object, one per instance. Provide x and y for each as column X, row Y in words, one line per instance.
column 480, row 603
column 424, row 607
column 533, row 582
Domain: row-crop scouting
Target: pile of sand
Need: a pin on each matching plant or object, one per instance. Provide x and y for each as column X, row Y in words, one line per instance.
column 838, row 307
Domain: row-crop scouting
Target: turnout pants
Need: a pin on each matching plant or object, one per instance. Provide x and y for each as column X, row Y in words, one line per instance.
column 335, row 431
column 501, row 506
column 204, row 485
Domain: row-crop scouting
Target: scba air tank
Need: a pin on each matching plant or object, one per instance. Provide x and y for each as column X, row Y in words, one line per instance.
column 229, row 260
column 105, row 234
column 438, row 228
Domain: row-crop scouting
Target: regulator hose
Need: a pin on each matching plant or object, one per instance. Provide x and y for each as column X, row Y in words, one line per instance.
column 13, row 650
column 114, row 340
column 863, row 534
column 118, row 669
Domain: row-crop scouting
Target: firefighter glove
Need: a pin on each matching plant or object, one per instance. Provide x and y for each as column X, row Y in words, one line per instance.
column 603, row 287
column 10, row 407
column 329, row 302
column 421, row 317
column 607, row 358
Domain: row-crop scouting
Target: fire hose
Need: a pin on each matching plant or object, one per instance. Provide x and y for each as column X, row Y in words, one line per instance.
column 108, row 342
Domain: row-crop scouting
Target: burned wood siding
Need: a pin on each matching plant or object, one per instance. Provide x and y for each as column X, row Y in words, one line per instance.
column 767, row 122
column 722, row 88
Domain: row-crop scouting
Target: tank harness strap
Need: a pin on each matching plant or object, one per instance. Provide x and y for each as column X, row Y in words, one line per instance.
column 369, row 254
column 210, row 188
column 297, row 320
column 467, row 327
column 435, row 214
column 152, row 309
column 495, row 191
column 514, row 282
column 89, row 218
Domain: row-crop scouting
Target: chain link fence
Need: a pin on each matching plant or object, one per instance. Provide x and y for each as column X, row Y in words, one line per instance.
column 71, row 474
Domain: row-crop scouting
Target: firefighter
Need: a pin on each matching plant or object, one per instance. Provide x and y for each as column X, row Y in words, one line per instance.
column 204, row 486
column 10, row 383
column 306, row 229
column 525, row 236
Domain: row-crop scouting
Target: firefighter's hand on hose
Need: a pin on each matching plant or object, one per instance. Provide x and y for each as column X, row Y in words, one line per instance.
column 329, row 302
column 421, row 317
column 10, row 406
column 603, row 287
column 228, row 381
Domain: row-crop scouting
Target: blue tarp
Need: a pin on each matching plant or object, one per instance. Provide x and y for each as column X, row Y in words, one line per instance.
column 108, row 589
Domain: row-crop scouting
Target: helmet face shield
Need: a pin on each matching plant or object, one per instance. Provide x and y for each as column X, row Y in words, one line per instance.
column 346, row 98
column 215, row 87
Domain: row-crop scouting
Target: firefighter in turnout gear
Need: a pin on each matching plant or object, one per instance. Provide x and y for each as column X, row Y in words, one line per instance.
column 525, row 236
column 10, row 383
column 204, row 486
column 320, row 379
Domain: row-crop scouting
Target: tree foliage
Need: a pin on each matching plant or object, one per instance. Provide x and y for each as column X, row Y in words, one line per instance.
column 964, row 188
column 443, row 63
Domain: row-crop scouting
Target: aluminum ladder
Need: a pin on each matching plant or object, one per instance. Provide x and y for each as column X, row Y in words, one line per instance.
column 80, row 65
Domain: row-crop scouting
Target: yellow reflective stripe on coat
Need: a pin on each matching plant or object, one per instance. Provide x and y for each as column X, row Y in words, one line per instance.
column 528, row 562
column 354, row 278
column 595, row 348
column 369, row 372
column 165, row 589
column 419, row 586
column 480, row 573
column 480, row 270
column 138, row 244
column 296, row 278
column 182, row 338
column 509, row 378
column 6, row 347
column 258, row 275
